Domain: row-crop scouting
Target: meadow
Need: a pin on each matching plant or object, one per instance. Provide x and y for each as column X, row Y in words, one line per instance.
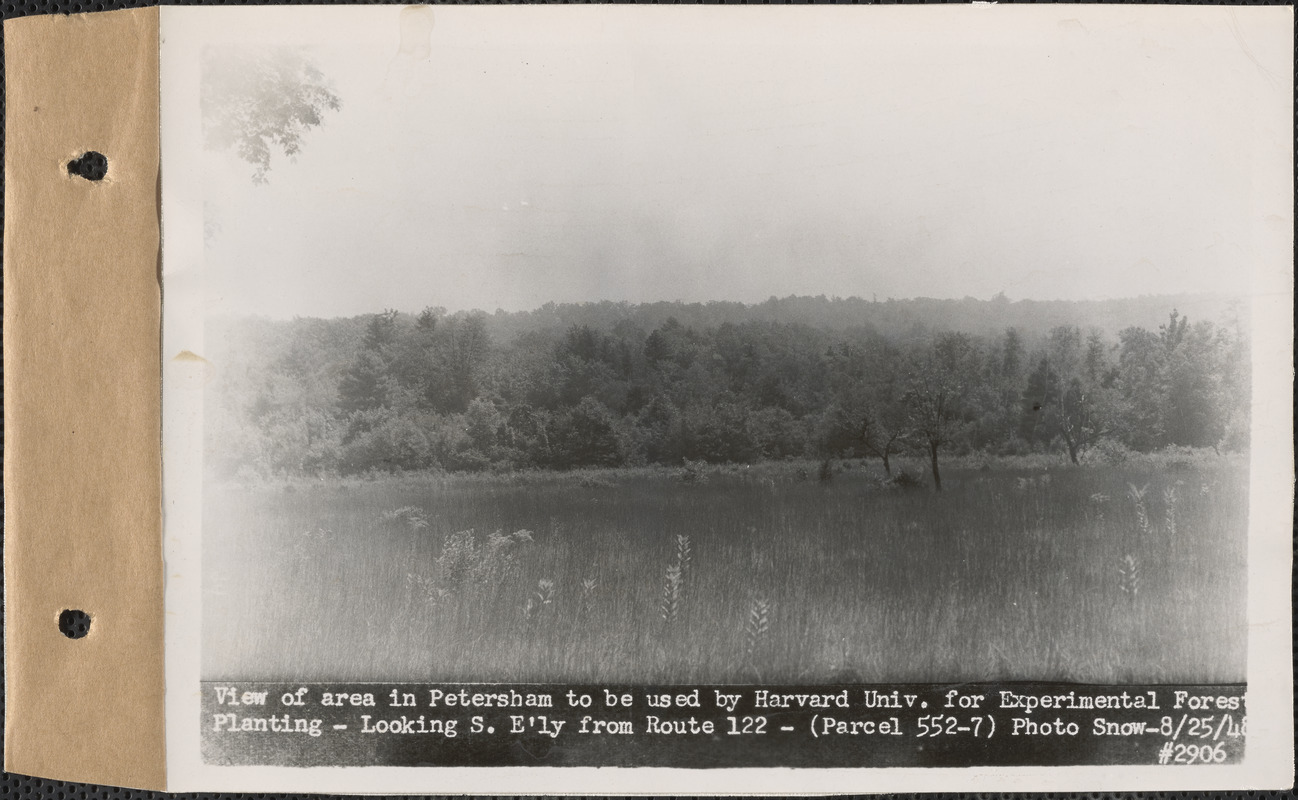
column 778, row 572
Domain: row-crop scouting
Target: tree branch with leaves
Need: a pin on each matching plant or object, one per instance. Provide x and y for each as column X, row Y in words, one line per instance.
column 257, row 101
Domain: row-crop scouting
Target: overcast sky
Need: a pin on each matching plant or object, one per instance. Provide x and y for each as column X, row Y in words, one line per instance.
column 509, row 157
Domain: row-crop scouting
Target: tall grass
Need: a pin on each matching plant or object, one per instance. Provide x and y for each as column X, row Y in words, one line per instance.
column 1132, row 572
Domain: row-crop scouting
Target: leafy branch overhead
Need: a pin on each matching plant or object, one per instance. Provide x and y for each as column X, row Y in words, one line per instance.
column 255, row 101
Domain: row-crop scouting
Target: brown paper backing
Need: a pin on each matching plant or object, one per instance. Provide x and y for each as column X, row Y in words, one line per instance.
column 82, row 401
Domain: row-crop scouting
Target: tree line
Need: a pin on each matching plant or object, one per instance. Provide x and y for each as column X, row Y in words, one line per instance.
column 394, row 392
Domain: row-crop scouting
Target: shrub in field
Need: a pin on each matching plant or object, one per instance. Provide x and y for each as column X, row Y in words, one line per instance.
column 694, row 472
column 1029, row 483
column 460, row 554
column 592, row 480
column 540, row 603
column 1108, row 451
column 1182, row 459
column 407, row 516
column 469, row 565
column 905, row 479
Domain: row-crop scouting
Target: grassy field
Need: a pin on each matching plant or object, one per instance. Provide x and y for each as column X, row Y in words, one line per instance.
column 1108, row 573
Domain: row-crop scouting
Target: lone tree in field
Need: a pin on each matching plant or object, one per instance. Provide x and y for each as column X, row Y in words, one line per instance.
column 938, row 392
column 882, row 434
column 866, row 415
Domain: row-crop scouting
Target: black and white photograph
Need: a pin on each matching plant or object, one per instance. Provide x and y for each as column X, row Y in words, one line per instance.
column 655, row 357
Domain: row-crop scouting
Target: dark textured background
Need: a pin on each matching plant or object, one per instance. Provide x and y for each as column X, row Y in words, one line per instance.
column 19, row 787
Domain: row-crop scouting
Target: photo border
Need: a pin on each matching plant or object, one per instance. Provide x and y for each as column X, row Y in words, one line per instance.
column 1269, row 757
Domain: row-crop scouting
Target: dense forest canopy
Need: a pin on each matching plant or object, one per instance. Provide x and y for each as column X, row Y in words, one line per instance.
column 612, row 384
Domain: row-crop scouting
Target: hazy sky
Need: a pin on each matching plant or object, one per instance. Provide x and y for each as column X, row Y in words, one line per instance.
column 514, row 156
